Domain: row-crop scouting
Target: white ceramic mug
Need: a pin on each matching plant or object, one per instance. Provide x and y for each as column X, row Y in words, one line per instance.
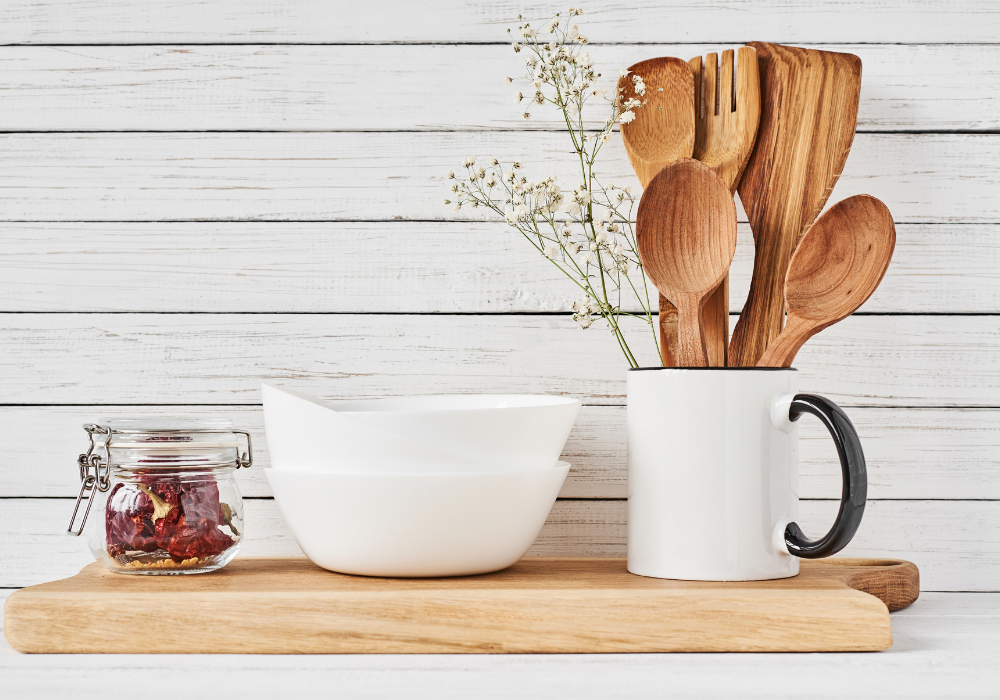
column 713, row 474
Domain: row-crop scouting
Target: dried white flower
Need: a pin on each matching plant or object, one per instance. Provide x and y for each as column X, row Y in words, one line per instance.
column 531, row 60
column 584, row 60
column 552, row 251
column 494, row 161
column 516, row 165
column 451, row 174
column 602, row 237
column 527, row 32
column 508, row 81
column 624, row 72
column 517, row 47
column 518, row 97
column 469, row 162
column 627, row 117
column 526, row 115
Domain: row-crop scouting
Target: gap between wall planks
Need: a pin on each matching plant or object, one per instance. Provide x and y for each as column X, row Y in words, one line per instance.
column 400, row 267
column 321, row 88
column 956, row 544
column 923, row 178
column 221, row 358
column 912, row 453
column 443, row 21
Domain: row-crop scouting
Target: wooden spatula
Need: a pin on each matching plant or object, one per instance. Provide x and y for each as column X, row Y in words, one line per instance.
column 727, row 111
column 808, row 115
column 839, row 262
column 663, row 132
column 687, row 237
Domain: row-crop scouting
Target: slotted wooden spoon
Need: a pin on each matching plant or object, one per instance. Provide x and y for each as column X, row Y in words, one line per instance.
column 807, row 121
column 663, row 132
column 838, row 264
column 687, row 237
column 727, row 111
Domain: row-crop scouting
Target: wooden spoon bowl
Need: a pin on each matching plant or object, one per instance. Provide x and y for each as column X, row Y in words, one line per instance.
column 687, row 238
column 838, row 265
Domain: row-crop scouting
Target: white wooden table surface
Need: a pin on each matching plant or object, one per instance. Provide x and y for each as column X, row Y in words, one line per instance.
column 946, row 645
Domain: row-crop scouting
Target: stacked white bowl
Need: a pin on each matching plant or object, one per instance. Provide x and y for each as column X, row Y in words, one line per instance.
column 421, row 486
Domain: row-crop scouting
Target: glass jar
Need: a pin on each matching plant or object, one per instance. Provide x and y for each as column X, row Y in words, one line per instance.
column 167, row 497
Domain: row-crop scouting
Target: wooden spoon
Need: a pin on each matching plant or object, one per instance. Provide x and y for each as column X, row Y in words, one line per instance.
column 687, row 237
column 663, row 132
column 727, row 111
column 807, row 122
column 838, row 264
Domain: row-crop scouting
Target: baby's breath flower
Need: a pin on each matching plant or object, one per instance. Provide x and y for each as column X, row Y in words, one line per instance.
column 516, row 165
column 469, row 161
column 508, row 81
column 451, row 174
column 539, row 98
column 494, row 162
column 624, row 72
column 447, row 201
column 526, row 115
column 517, row 47
column 518, row 97
column 457, row 206
column 627, row 117
column 575, row 11
column 551, row 251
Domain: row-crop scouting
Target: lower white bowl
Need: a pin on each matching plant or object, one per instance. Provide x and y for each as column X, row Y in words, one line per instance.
column 416, row 525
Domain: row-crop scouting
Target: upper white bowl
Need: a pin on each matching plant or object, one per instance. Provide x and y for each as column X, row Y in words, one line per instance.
column 421, row 433
column 416, row 524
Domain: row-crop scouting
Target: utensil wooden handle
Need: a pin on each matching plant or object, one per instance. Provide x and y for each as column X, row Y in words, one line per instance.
column 714, row 327
column 782, row 352
column 690, row 341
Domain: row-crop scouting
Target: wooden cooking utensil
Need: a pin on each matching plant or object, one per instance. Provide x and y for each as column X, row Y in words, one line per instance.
column 727, row 111
column 662, row 132
column 838, row 264
column 807, row 121
column 687, row 237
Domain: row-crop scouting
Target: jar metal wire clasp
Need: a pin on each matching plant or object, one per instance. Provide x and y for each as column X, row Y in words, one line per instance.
column 95, row 471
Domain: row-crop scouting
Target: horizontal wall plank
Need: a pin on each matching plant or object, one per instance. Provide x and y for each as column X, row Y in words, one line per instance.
column 423, row 267
column 923, row 178
column 317, row 88
column 911, row 453
column 316, row 21
column 956, row 544
column 221, row 358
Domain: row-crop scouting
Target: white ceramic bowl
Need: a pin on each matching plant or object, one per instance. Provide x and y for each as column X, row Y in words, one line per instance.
column 416, row 525
column 495, row 431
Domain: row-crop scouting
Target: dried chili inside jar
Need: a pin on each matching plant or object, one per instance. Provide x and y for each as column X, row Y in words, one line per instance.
column 168, row 493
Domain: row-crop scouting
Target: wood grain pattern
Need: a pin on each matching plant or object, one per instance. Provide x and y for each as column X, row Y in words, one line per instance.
column 663, row 130
column 662, row 133
column 315, row 21
column 221, row 358
column 956, row 544
column 837, row 265
column 944, row 646
column 727, row 109
column 313, row 88
column 686, row 232
column 402, row 267
column 807, row 123
column 568, row 605
column 912, row 453
column 924, row 178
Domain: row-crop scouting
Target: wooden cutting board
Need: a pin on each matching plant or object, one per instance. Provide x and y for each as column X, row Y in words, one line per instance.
column 291, row 606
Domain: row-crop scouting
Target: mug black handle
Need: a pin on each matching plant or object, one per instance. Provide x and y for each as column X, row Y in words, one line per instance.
column 855, row 480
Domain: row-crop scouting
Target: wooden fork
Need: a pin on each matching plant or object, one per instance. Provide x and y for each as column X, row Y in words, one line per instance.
column 727, row 112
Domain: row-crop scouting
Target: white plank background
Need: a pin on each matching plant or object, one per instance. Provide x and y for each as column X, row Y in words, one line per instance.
column 196, row 196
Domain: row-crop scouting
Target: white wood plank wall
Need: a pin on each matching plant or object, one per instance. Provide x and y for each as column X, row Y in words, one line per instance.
column 197, row 196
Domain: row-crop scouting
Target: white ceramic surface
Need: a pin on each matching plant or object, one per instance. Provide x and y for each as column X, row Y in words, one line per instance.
column 416, row 525
column 506, row 431
column 305, row 434
column 711, row 479
column 495, row 431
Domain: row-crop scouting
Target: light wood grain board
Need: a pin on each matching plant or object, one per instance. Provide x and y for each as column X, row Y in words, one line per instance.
column 944, row 645
column 956, row 544
column 222, row 358
column 317, row 88
column 923, row 178
column 403, row 267
column 911, row 453
column 316, row 21
column 538, row 605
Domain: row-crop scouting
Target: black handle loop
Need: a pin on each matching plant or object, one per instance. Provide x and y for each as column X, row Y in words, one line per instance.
column 855, row 484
